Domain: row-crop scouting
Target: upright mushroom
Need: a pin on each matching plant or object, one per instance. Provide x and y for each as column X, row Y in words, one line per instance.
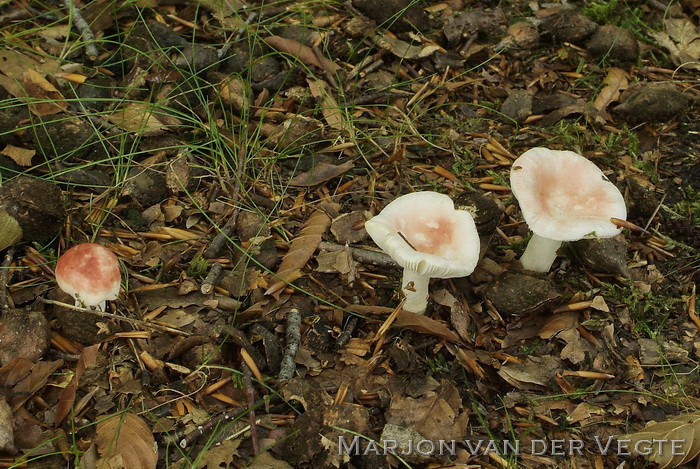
column 429, row 238
column 563, row 197
column 89, row 273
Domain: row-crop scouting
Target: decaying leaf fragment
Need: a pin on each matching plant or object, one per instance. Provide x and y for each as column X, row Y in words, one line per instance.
column 682, row 40
column 45, row 99
column 668, row 444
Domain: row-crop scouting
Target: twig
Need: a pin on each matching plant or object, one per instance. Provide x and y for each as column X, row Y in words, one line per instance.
column 347, row 332
column 215, row 247
column 212, row 278
column 250, row 400
column 4, row 279
column 135, row 322
column 227, row 46
column 293, row 337
column 85, row 31
column 363, row 256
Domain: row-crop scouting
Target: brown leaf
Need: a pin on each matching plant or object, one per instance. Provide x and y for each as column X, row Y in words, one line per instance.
column 46, row 99
column 126, row 437
column 320, row 173
column 301, row 52
column 67, row 397
column 301, row 250
column 329, row 106
column 682, row 40
column 683, row 431
column 36, row 380
column 557, row 323
column 15, row 64
column 405, row 50
column 615, row 83
column 21, row 156
column 438, row 415
column 137, row 117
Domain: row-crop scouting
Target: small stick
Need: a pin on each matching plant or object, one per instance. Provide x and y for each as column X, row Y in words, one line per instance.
column 212, row 278
column 4, row 278
column 363, row 256
column 135, row 322
column 293, row 337
column 227, row 230
column 347, row 332
column 84, row 28
column 250, row 400
column 227, row 46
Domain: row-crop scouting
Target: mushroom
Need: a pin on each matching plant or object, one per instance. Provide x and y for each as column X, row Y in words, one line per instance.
column 429, row 238
column 563, row 197
column 89, row 273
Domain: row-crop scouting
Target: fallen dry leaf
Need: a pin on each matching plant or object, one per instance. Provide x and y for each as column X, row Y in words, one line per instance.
column 300, row 251
column 615, row 83
column 320, row 173
column 301, row 52
column 67, row 397
column 45, row 98
column 124, row 440
column 21, row 156
column 682, row 40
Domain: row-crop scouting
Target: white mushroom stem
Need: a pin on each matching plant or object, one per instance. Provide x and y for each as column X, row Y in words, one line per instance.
column 415, row 289
column 540, row 253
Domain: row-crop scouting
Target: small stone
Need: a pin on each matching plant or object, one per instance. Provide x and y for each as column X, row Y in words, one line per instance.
column 655, row 102
column 569, row 26
column 518, row 105
column 23, row 334
column 358, row 26
column 524, row 35
column 519, row 294
column 397, row 16
column 614, row 44
column 197, row 58
column 607, row 255
column 344, row 228
column 251, row 224
column 36, row 205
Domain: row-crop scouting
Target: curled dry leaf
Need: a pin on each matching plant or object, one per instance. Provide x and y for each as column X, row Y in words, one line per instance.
column 668, row 444
column 615, row 83
column 124, row 440
column 301, row 52
column 682, row 40
column 300, row 251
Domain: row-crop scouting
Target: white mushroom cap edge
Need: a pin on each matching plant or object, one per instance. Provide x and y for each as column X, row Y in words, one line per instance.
column 429, row 238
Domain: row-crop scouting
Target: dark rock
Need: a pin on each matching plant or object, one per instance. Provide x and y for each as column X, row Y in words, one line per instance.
column 518, row 105
column 23, row 334
column 358, row 27
column 642, row 202
column 250, row 225
column 603, row 255
column 519, row 294
column 395, row 15
column 472, row 22
column 569, row 26
column 63, row 136
column 146, row 186
column 36, row 205
column 94, row 93
column 197, row 58
column 614, row 44
column 546, row 103
column 250, row 60
column 655, row 102
column 483, row 209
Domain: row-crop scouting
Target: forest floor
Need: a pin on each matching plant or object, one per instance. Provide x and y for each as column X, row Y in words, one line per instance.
column 229, row 154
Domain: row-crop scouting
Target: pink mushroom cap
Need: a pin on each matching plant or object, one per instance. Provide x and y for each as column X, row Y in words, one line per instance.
column 564, row 196
column 89, row 273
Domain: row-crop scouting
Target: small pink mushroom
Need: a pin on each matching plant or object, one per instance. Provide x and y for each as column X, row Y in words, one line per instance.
column 89, row 273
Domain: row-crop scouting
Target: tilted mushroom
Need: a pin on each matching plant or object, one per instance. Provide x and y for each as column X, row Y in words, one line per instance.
column 89, row 273
column 563, row 197
column 429, row 238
